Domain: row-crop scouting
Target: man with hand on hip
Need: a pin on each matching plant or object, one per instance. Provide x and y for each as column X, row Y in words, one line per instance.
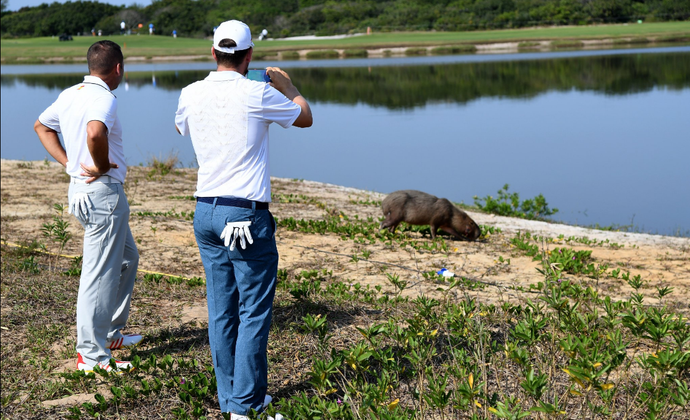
column 227, row 116
column 86, row 115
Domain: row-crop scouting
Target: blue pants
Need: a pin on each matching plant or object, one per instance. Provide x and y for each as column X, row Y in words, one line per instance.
column 240, row 286
column 109, row 268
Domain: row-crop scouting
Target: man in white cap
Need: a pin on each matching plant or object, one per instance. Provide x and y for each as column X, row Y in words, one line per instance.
column 227, row 116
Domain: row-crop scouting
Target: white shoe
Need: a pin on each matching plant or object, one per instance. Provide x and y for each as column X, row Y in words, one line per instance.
column 267, row 401
column 124, row 341
column 239, row 417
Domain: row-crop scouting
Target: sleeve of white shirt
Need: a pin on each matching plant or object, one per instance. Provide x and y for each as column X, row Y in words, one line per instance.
column 103, row 109
column 181, row 115
column 278, row 108
column 50, row 117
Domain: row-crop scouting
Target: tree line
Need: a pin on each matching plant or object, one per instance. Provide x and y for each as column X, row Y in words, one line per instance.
column 282, row 18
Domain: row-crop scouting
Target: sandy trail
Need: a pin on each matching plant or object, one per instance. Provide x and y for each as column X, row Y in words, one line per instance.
column 162, row 227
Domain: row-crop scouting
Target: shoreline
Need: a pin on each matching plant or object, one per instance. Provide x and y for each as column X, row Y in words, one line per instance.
column 508, row 224
column 486, row 47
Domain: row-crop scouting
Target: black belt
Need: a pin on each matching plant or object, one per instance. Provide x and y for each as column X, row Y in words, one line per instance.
column 233, row 202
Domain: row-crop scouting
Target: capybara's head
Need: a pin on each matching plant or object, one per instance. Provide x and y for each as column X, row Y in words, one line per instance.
column 466, row 226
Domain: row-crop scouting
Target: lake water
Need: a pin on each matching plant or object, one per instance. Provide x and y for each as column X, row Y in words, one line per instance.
column 603, row 135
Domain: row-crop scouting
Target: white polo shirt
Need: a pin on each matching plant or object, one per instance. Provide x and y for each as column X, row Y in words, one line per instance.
column 90, row 100
column 228, row 116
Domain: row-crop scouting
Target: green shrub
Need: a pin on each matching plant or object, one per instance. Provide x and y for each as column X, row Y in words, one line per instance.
column 454, row 49
column 567, row 44
column 529, row 44
column 508, row 204
column 416, row 51
column 674, row 38
column 637, row 40
column 262, row 55
column 289, row 55
column 323, row 54
column 355, row 53
column 163, row 165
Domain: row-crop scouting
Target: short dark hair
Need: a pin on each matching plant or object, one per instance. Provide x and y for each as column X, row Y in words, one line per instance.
column 103, row 56
column 230, row 60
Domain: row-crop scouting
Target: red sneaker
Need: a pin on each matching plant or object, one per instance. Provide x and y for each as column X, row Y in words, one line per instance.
column 120, row 366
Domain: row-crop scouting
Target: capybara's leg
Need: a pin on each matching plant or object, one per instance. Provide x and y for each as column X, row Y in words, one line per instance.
column 453, row 232
column 433, row 228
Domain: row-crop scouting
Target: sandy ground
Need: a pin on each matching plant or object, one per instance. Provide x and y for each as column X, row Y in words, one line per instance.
column 162, row 227
column 160, row 222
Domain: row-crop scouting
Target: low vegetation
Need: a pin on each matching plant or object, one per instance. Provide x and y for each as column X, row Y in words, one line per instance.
column 162, row 165
column 565, row 43
column 355, row 52
column 455, row 49
column 340, row 349
column 323, row 54
column 509, row 204
column 416, row 51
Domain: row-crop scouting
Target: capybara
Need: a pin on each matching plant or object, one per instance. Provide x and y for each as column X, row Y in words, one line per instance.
column 420, row 208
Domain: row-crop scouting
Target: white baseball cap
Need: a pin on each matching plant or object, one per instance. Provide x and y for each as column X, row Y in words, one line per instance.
column 235, row 30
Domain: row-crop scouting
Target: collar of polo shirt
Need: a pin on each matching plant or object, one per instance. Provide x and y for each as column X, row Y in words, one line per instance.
column 96, row 81
column 215, row 76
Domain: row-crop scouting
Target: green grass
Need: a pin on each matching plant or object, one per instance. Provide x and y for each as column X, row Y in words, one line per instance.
column 162, row 46
column 342, row 350
column 139, row 46
column 398, row 39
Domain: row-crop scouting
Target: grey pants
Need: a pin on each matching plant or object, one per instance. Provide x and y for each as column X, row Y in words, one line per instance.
column 109, row 268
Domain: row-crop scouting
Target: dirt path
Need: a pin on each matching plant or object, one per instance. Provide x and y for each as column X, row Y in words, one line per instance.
column 162, row 227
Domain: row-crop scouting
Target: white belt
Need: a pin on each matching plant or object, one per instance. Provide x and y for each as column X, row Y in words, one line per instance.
column 103, row 179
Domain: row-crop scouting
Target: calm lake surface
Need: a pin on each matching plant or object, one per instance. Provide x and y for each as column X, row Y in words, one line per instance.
column 604, row 135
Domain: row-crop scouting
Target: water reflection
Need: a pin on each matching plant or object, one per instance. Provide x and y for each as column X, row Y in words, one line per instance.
column 405, row 87
column 603, row 137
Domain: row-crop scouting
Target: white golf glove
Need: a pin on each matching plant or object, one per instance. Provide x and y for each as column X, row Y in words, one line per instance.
column 235, row 230
column 79, row 206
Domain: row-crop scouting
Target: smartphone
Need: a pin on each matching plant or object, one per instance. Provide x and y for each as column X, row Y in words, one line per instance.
column 259, row 75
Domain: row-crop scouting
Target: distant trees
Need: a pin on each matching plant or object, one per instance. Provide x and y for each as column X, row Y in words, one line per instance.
column 54, row 19
column 197, row 18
